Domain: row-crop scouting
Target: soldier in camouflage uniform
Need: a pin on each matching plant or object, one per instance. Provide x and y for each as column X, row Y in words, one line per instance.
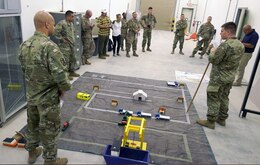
column 148, row 23
column 225, row 60
column 123, row 30
column 86, row 37
column 205, row 35
column 46, row 80
column 181, row 25
column 64, row 32
column 133, row 26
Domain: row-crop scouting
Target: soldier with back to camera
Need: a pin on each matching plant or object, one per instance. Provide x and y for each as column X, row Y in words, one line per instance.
column 46, row 79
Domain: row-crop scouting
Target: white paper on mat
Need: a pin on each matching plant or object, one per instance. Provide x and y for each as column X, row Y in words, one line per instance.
column 61, row 103
column 215, row 43
column 190, row 77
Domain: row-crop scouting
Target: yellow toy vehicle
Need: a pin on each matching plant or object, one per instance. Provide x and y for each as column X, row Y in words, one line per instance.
column 83, row 96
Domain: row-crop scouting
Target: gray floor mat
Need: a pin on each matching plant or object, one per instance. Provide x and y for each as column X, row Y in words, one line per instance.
column 93, row 123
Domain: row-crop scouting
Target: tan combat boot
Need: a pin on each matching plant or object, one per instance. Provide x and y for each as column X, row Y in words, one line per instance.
column 236, row 84
column 60, row 161
column 148, row 49
column 18, row 136
column 34, row 154
column 87, row 62
column 134, row 54
column 221, row 122
column 172, row 51
column 207, row 123
column 70, row 78
column 83, row 60
column 73, row 74
column 143, row 50
column 102, row 57
column 181, row 53
column 191, row 56
column 127, row 54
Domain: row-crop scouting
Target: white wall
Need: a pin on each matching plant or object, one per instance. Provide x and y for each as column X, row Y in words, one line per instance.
column 253, row 20
column 113, row 7
column 30, row 7
column 224, row 11
column 218, row 9
column 132, row 5
column 204, row 8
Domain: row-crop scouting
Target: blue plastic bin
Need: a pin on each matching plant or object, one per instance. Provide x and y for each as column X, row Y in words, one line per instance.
column 126, row 156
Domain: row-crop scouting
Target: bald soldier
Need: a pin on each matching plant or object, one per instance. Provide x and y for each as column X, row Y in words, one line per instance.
column 86, row 37
column 46, row 80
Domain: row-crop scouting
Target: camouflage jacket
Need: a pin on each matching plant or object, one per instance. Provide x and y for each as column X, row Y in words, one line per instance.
column 149, row 21
column 65, row 31
column 86, row 28
column 124, row 26
column 180, row 27
column 225, row 61
column 206, row 31
column 44, row 69
column 133, row 26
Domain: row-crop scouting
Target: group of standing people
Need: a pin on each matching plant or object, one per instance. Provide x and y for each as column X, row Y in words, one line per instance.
column 228, row 61
column 48, row 68
column 124, row 33
column 204, row 36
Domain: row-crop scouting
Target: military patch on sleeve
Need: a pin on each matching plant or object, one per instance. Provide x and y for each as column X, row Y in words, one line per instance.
column 63, row 61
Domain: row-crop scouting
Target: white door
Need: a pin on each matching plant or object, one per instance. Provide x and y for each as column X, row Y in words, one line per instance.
column 188, row 13
column 163, row 10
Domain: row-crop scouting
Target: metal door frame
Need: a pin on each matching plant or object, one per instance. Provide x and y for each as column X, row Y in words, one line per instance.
column 2, row 106
column 191, row 15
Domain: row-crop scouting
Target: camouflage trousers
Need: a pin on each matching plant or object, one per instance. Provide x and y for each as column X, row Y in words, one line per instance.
column 218, row 101
column 68, row 53
column 131, row 39
column 147, row 35
column 205, row 44
column 175, row 41
column 123, row 39
column 88, row 48
column 43, row 126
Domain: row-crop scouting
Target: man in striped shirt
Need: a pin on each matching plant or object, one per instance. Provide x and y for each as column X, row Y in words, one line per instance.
column 104, row 24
